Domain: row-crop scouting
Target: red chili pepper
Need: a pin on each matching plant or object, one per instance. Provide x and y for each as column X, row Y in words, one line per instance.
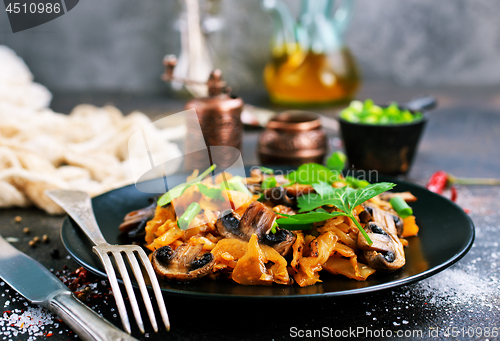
column 453, row 193
column 438, row 181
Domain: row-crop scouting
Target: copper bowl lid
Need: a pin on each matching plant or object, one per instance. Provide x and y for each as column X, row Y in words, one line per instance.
column 295, row 120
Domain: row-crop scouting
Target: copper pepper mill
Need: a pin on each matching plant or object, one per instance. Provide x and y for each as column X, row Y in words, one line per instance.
column 219, row 115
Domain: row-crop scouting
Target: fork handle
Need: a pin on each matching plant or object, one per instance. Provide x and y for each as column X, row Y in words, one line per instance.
column 79, row 207
column 82, row 320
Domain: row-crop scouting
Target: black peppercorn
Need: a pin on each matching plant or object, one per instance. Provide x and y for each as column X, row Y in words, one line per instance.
column 54, row 253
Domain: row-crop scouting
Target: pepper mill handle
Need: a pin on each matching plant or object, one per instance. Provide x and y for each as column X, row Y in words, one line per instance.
column 216, row 85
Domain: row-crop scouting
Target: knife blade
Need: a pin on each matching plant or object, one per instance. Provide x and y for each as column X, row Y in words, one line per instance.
column 38, row 285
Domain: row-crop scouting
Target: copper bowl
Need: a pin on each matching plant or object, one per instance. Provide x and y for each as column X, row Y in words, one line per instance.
column 293, row 138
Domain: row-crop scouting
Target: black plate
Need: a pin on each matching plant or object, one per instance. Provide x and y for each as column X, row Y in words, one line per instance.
column 446, row 235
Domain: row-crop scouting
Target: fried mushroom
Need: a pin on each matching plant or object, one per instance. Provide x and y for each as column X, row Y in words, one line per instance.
column 279, row 196
column 281, row 241
column 228, row 225
column 134, row 223
column 399, row 224
column 386, row 253
column 370, row 211
column 187, row 263
column 258, row 219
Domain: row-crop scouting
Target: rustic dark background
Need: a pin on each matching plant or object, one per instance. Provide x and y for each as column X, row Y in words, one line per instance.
column 117, row 45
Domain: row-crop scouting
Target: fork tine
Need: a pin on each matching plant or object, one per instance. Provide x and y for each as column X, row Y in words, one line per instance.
column 142, row 286
column 156, row 286
column 108, row 266
column 130, row 290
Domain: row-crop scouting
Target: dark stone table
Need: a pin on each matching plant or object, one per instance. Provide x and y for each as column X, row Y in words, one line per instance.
column 462, row 138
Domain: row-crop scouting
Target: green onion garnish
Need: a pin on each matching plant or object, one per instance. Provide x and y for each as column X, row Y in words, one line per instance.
column 188, row 216
column 269, row 182
column 401, row 207
column 177, row 191
column 236, row 184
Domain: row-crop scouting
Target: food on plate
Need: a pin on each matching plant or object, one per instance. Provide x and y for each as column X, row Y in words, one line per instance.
column 274, row 228
column 368, row 113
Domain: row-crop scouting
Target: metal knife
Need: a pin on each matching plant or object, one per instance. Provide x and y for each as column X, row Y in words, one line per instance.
column 32, row 280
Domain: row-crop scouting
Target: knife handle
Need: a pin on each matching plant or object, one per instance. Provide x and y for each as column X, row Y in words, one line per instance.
column 83, row 320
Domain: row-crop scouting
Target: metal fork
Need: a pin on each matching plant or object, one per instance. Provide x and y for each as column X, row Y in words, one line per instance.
column 78, row 206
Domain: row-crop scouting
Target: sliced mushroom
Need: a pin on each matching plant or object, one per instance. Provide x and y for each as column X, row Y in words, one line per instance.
column 398, row 222
column 284, row 209
column 258, row 219
column 254, row 188
column 365, row 216
column 186, row 264
column 278, row 196
column 228, row 225
column 134, row 223
column 368, row 215
column 256, row 176
column 296, row 190
column 386, row 253
column 282, row 241
column 406, row 196
column 380, row 238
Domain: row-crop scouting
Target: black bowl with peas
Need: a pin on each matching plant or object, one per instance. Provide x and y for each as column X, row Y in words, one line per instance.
column 383, row 138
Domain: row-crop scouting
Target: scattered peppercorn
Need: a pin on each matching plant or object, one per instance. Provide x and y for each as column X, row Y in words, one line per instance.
column 83, row 294
column 26, row 230
column 34, row 241
column 54, row 254
column 18, row 219
column 45, row 238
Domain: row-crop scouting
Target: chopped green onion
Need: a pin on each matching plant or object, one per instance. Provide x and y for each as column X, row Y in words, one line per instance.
column 214, row 193
column 179, row 189
column 275, row 226
column 356, row 183
column 401, row 207
column 369, row 113
column 236, row 184
column 266, row 170
column 188, row 216
column 268, row 183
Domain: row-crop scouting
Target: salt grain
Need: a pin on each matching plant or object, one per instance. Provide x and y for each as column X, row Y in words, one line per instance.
column 30, row 321
column 457, row 287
